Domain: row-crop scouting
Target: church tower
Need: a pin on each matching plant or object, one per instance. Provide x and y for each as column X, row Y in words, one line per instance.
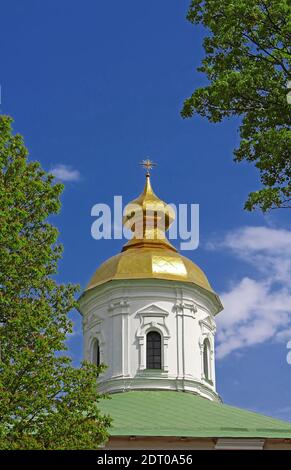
column 149, row 312
column 149, row 315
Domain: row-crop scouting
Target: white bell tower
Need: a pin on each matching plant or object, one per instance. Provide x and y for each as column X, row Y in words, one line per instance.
column 149, row 312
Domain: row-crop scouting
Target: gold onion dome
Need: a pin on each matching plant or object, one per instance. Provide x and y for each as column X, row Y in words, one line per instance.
column 149, row 255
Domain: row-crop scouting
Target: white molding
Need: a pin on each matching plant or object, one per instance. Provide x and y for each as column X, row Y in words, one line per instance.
column 163, row 381
column 211, row 362
column 152, row 318
column 185, row 308
column 206, row 299
column 118, row 307
column 153, row 310
column 96, row 335
column 208, row 324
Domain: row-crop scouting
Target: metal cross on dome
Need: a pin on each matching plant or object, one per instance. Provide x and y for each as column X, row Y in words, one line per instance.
column 148, row 165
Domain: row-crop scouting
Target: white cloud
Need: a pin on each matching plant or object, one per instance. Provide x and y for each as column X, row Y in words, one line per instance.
column 258, row 239
column 65, row 173
column 257, row 308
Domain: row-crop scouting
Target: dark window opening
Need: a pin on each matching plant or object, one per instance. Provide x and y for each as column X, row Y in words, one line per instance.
column 206, row 349
column 154, row 356
column 96, row 353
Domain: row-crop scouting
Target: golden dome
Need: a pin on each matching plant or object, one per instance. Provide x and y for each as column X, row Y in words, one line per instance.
column 149, row 263
column 149, row 255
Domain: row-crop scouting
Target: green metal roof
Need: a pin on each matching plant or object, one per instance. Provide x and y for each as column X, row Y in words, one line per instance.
column 170, row 413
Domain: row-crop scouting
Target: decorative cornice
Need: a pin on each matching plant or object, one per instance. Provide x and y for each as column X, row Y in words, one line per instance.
column 118, row 307
column 185, row 308
column 152, row 316
column 146, row 381
column 153, row 310
column 157, row 286
column 208, row 323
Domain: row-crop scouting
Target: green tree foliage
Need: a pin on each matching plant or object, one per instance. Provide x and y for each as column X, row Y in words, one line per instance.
column 247, row 58
column 45, row 403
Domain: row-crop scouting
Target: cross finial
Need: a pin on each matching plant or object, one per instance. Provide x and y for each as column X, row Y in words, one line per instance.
column 148, row 165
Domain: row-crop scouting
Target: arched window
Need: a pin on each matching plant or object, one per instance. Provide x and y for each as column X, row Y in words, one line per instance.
column 206, row 359
column 96, row 352
column 154, row 353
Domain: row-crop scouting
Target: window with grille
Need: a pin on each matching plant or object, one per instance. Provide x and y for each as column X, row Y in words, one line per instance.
column 154, row 356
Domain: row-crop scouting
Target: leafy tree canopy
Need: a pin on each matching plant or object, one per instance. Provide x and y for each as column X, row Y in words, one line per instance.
column 45, row 403
column 247, row 59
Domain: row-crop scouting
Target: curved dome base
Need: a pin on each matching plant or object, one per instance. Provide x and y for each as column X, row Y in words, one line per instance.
column 157, row 381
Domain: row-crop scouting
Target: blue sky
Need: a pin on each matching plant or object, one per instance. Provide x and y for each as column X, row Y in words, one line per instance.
column 97, row 86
